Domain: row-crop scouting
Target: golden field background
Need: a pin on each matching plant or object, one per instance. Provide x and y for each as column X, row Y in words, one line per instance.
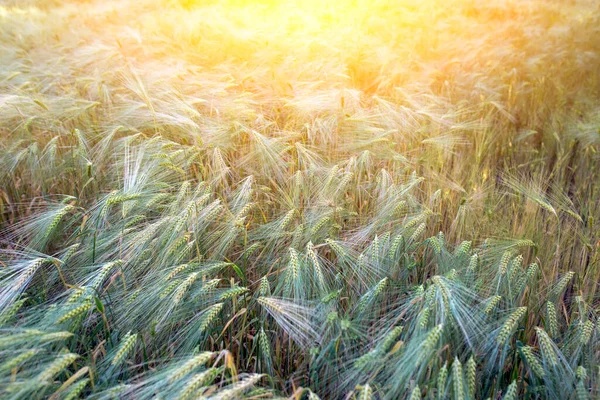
column 150, row 135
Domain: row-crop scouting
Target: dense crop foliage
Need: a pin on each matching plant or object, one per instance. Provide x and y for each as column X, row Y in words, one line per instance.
column 350, row 200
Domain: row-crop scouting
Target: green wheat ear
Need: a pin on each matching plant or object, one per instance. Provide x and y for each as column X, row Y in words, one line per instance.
column 77, row 311
column 510, row 325
column 552, row 320
column 264, row 289
column 532, row 361
column 397, row 246
column 457, row 380
column 312, row 255
column 391, row 338
column 464, row 248
column 581, row 390
column 57, row 366
column 11, row 311
column 586, row 332
column 471, row 376
column 503, row 266
column 125, row 347
column 197, row 381
column 441, row 381
column 181, row 291
column 430, row 342
column 581, row 373
column 492, row 304
column 209, row 316
column 417, row 233
column 435, row 244
column 511, row 392
column 547, row 347
column 57, row 218
column 561, row 285
column 236, row 389
column 416, row 394
column 365, row 393
column 191, row 364
column 473, row 263
column 76, row 390
column 265, row 348
column 18, row 360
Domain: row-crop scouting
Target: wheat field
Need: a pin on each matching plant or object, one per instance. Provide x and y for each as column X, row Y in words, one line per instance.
column 352, row 199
